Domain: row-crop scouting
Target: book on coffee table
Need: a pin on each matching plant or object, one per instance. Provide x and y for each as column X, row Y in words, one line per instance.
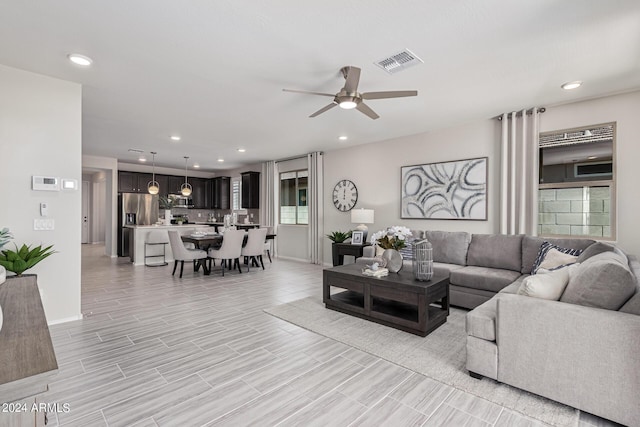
column 380, row 272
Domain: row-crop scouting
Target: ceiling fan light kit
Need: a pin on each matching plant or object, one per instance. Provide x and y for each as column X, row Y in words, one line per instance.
column 349, row 98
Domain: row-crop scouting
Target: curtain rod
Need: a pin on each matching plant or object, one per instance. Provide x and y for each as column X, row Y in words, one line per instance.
column 529, row 112
column 304, row 156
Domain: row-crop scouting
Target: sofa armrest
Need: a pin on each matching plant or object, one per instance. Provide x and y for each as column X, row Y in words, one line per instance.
column 582, row 356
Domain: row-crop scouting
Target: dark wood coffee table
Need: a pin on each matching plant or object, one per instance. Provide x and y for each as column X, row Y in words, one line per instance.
column 397, row 300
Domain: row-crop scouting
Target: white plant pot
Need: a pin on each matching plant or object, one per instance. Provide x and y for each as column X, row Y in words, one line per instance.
column 3, row 275
column 167, row 217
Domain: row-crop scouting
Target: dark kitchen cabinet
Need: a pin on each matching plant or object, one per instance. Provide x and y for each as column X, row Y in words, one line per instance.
column 221, row 192
column 251, row 190
column 175, row 182
column 133, row 182
column 163, row 182
column 198, row 195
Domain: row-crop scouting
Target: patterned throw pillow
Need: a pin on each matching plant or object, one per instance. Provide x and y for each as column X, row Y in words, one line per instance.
column 407, row 252
column 551, row 257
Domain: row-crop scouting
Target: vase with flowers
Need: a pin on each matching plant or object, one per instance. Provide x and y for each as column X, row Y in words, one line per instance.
column 391, row 240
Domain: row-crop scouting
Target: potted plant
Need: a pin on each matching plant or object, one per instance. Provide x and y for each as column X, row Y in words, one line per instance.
column 339, row 236
column 22, row 259
column 5, row 236
column 166, row 203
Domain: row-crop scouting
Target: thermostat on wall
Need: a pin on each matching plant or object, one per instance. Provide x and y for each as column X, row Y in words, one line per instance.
column 45, row 183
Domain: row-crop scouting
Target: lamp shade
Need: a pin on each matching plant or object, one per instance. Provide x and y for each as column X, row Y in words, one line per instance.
column 362, row 216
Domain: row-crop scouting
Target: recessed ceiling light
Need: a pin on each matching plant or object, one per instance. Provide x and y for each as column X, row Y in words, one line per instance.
column 175, row 138
column 343, row 138
column 571, row 85
column 82, row 60
column 241, row 150
column 142, row 159
column 196, row 165
column 221, row 160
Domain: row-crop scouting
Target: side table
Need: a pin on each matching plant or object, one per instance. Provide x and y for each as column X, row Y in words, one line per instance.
column 339, row 250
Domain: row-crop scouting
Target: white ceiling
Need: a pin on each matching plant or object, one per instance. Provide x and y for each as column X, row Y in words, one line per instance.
column 213, row 71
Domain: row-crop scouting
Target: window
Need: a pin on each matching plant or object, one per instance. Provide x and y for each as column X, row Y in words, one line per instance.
column 576, row 194
column 293, row 197
column 236, row 188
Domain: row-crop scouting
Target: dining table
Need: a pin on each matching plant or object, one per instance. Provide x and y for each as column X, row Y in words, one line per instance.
column 208, row 240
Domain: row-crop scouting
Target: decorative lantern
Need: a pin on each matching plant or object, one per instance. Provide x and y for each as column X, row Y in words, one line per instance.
column 422, row 260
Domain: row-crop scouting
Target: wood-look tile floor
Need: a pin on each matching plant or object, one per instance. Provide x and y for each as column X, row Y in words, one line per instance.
column 156, row 350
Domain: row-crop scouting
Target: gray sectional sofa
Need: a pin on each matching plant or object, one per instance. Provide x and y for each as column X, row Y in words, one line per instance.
column 583, row 350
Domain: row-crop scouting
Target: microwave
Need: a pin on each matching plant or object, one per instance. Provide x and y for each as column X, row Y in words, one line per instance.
column 180, row 201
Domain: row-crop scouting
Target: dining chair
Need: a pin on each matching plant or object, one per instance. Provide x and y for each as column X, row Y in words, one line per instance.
column 268, row 244
column 231, row 250
column 255, row 246
column 182, row 254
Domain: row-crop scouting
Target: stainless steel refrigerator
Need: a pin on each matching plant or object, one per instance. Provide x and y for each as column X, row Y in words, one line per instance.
column 134, row 209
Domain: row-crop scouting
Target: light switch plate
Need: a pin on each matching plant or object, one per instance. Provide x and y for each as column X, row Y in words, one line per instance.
column 44, row 224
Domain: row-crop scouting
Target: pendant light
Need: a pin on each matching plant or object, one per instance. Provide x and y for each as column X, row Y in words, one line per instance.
column 153, row 187
column 185, row 189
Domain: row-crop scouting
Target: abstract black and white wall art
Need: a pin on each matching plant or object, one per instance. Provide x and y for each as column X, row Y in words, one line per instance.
column 447, row 190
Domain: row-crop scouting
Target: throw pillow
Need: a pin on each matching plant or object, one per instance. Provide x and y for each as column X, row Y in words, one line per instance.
column 550, row 256
column 605, row 281
column 594, row 249
column 407, row 252
column 547, row 284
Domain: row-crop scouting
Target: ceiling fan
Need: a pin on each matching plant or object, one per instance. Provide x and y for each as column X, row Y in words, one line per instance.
column 349, row 97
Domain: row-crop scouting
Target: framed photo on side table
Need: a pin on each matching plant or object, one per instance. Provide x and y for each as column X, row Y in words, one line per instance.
column 357, row 237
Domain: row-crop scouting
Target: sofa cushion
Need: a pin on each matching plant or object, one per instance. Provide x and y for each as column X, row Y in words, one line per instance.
column 602, row 281
column 485, row 278
column 552, row 256
column 531, row 247
column 449, row 246
column 444, row 268
column 594, row 249
column 481, row 321
column 513, row 288
column 496, row 251
column 632, row 306
column 547, row 284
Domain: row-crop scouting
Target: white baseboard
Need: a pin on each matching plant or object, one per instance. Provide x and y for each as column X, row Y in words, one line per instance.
column 65, row 320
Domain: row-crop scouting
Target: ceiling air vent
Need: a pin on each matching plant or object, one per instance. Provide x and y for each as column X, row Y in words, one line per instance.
column 399, row 61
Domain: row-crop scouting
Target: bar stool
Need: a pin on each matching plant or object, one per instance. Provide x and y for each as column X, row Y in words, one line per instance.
column 154, row 239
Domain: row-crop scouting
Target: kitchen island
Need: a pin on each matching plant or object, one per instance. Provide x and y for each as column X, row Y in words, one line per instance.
column 139, row 234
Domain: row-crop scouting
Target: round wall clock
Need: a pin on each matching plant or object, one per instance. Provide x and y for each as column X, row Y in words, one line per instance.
column 345, row 195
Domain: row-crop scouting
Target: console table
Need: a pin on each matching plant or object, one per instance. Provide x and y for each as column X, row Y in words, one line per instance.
column 396, row 300
column 26, row 352
column 339, row 250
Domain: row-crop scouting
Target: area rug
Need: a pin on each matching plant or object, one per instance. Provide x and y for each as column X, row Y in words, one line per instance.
column 440, row 355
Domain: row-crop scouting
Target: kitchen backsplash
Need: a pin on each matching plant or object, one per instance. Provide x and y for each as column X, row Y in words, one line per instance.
column 201, row 215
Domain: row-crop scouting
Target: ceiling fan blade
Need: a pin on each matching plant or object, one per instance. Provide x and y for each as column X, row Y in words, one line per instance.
column 308, row 92
column 389, row 94
column 323, row 109
column 353, row 78
column 364, row 108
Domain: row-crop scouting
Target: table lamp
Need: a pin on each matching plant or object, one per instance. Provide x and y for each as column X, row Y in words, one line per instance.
column 362, row 216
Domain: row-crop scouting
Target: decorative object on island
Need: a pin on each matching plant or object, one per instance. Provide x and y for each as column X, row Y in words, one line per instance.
column 153, row 187
column 5, row 236
column 24, row 258
column 357, row 237
column 362, row 216
column 392, row 239
column 339, row 236
column 166, row 203
column 345, row 195
column 422, row 260
column 446, row 190
column 186, row 189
